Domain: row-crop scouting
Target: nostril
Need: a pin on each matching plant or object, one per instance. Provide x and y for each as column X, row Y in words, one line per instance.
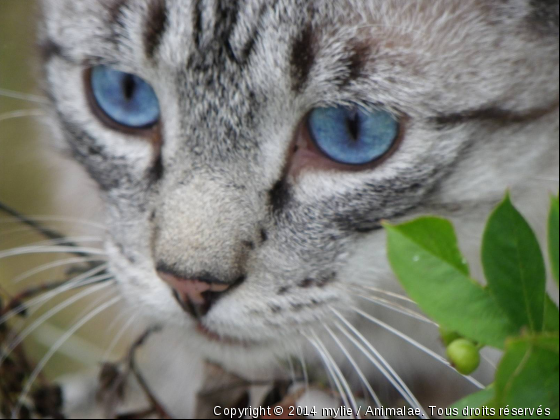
column 197, row 296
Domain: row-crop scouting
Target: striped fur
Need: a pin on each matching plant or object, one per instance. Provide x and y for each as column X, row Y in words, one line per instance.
column 475, row 83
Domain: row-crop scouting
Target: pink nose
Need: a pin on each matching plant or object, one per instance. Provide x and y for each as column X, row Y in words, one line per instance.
column 195, row 296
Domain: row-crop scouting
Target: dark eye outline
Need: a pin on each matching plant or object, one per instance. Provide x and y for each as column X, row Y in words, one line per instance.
column 147, row 131
column 306, row 142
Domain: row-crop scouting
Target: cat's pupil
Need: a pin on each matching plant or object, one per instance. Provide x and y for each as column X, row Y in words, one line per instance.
column 353, row 122
column 128, row 87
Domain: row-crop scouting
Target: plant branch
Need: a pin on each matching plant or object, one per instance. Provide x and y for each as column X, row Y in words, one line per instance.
column 38, row 227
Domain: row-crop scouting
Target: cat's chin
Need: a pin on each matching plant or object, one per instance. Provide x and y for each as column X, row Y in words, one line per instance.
column 251, row 360
column 188, row 339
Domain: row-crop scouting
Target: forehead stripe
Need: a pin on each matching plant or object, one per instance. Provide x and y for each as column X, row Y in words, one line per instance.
column 155, row 26
column 249, row 47
column 494, row 115
column 115, row 10
column 198, row 8
column 302, row 59
column 226, row 18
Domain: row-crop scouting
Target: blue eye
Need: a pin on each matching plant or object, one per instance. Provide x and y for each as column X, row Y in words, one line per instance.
column 353, row 136
column 125, row 98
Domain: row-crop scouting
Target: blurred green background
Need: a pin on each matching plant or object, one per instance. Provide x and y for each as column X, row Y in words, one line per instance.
column 27, row 184
column 23, row 179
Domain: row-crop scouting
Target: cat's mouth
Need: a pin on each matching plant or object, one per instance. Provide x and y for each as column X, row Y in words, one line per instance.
column 220, row 339
column 207, row 333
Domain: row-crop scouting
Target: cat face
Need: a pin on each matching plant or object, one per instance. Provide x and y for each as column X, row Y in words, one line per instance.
column 236, row 212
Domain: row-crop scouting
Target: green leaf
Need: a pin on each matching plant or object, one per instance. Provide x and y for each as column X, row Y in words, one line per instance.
column 476, row 400
column 436, row 236
column 551, row 316
column 515, row 267
column 425, row 257
column 528, row 376
column 448, row 337
column 553, row 236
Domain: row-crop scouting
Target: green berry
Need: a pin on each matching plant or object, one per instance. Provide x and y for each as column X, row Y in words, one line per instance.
column 464, row 356
column 448, row 336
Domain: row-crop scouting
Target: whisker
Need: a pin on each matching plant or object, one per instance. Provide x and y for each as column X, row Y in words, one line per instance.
column 409, row 398
column 24, row 96
column 33, row 307
column 22, row 114
column 330, row 374
column 398, row 308
column 345, row 383
column 29, row 330
column 27, row 234
column 118, row 319
column 412, row 314
column 17, row 306
column 330, row 365
column 419, row 346
column 304, row 369
column 51, row 250
column 489, row 361
column 293, row 375
column 379, row 362
column 57, row 219
column 52, row 265
column 47, row 232
column 355, row 366
column 38, row 369
column 385, row 292
column 22, row 232
column 16, row 339
column 120, row 334
column 73, row 239
column 78, row 349
column 37, row 302
column 61, row 242
column 94, row 302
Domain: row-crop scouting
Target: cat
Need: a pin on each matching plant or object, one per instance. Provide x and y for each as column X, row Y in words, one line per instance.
column 246, row 152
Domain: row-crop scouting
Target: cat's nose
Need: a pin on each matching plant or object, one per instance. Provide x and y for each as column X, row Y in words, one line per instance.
column 196, row 296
